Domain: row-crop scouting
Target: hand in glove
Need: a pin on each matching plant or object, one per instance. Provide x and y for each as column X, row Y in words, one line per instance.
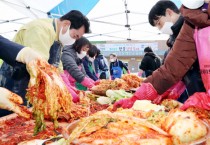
column 87, row 82
column 145, row 92
column 27, row 55
column 11, row 101
column 198, row 100
column 72, row 90
column 172, row 93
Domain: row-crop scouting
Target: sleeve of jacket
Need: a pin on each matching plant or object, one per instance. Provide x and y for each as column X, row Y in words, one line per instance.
column 87, row 70
column 143, row 65
column 110, row 68
column 196, row 16
column 39, row 39
column 69, row 64
column 178, row 61
column 9, row 50
column 96, row 65
column 123, row 65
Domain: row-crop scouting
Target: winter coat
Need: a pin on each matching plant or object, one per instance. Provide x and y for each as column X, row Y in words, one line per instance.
column 71, row 63
column 192, row 78
column 88, row 66
column 101, row 64
column 183, row 53
column 149, row 63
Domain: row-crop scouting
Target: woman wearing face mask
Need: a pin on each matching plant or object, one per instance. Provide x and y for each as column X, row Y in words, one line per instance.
column 116, row 67
column 88, row 63
column 72, row 63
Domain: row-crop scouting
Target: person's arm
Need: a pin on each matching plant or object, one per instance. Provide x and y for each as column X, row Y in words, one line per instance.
column 196, row 16
column 178, row 61
column 11, row 101
column 123, row 65
column 39, row 39
column 9, row 50
column 69, row 64
column 87, row 70
column 110, row 68
column 143, row 65
column 96, row 65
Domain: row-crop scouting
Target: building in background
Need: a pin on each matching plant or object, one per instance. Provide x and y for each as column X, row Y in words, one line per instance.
column 131, row 52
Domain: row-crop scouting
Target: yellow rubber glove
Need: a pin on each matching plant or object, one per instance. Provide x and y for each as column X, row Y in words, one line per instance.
column 27, row 55
column 11, row 101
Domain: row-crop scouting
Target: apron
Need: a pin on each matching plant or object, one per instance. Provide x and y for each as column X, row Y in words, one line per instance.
column 117, row 71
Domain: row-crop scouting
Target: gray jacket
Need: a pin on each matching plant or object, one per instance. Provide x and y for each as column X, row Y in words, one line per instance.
column 71, row 62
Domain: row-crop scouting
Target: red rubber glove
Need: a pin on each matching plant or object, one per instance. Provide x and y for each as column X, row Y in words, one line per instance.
column 145, row 92
column 199, row 100
column 172, row 93
column 87, row 82
column 177, row 90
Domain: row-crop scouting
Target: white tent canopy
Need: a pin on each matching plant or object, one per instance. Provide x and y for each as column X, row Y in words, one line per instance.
column 110, row 19
column 15, row 13
column 123, row 20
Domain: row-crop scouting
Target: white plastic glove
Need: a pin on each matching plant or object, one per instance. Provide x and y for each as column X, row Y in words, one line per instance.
column 27, row 55
column 11, row 101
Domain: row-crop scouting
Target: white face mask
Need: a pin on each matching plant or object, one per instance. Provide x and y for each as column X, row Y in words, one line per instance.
column 82, row 54
column 65, row 38
column 91, row 59
column 112, row 60
column 166, row 29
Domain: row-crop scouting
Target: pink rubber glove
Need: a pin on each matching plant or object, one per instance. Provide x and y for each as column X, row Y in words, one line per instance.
column 87, row 82
column 172, row 93
column 177, row 90
column 72, row 90
column 97, row 75
column 145, row 92
column 198, row 100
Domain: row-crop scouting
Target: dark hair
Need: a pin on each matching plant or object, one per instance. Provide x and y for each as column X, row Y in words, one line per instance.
column 79, row 43
column 77, row 20
column 148, row 49
column 98, row 52
column 92, row 51
column 159, row 9
column 113, row 54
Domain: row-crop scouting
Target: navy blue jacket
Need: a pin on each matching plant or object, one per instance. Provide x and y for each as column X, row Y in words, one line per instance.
column 86, row 64
column 9, row 50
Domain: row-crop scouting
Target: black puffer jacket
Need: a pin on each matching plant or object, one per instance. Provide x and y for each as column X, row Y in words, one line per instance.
column 150, row 63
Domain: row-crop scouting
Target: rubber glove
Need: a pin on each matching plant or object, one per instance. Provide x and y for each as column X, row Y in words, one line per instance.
column 128, row 72
column 11, row 101
column 198, row 100
column 145, row 92
column 87, row 82
column 27, row 54
column 97, row 75
column 72, row 90
column 172, row 93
